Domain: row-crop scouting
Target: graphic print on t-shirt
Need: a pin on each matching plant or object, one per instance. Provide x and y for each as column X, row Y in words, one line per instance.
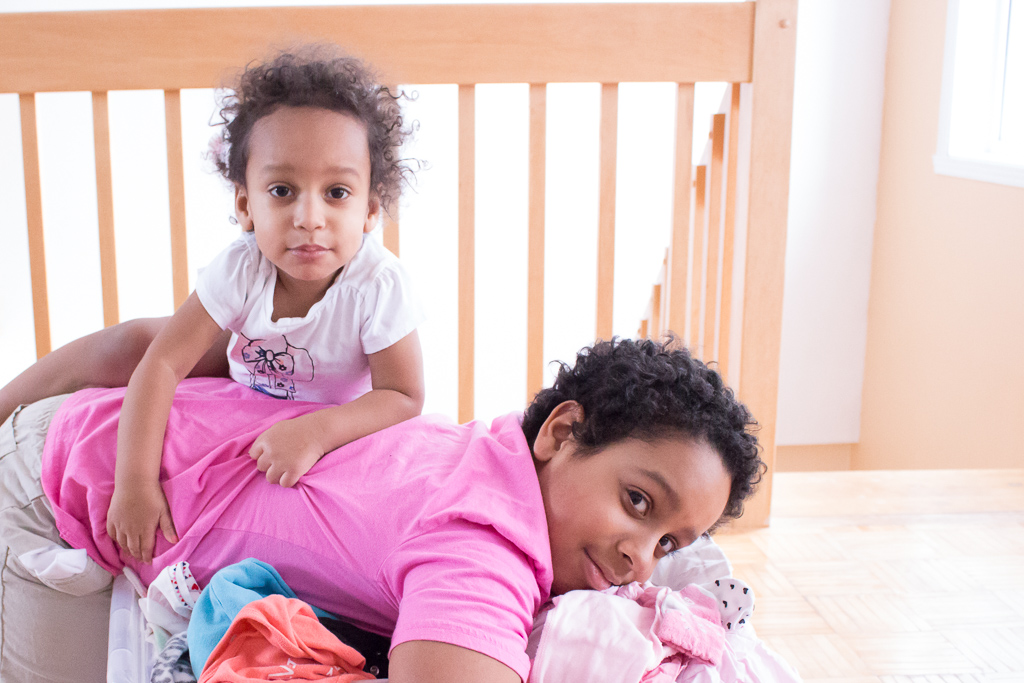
column 274, row 365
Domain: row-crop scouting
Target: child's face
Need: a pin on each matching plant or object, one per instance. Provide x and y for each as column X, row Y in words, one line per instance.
column 307, row 191
column 613, row 514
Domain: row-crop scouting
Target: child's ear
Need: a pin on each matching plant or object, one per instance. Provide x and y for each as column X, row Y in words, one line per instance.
column 373, row 210
column 556, row 432
column 242, row 213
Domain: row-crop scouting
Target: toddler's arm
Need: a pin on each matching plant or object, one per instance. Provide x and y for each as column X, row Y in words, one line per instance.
column 138, row 505
column 288, row 449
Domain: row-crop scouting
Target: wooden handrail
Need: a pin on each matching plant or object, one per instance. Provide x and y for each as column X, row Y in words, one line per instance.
column 463, row 44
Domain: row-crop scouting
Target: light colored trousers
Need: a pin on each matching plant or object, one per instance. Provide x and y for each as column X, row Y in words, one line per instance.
column 50, row 629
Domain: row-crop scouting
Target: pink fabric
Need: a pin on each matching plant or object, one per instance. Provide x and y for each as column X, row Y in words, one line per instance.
column 279, row 638
column 427, row 530
column 627, row 634
column 688, row 620
column 746, row 659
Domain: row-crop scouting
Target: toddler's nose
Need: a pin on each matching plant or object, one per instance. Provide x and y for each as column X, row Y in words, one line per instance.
column 309, row 213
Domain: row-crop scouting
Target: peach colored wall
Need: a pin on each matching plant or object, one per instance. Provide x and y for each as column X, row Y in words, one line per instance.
column 944, row 378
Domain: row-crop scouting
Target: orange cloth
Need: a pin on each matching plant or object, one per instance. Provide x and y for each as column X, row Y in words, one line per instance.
column 280, row 639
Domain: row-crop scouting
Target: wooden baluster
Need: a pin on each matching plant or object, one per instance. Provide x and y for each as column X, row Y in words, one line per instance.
column 535, row 257
column 679, row 244
column 389, row 224
column 34, row 214
column 467, row 247
column 389, row 220
column 728, row 250
column 698, row 256
column 606, row 224
column 664, row 294
column 770, row 141
column 656, row 318
column 176, row 192
column 105, row 208
column 714, row 234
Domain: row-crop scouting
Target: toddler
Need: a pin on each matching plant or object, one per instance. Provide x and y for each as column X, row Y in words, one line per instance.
column 317, row 311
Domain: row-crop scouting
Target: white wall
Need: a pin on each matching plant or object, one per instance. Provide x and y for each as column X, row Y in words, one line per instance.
column 837, row 128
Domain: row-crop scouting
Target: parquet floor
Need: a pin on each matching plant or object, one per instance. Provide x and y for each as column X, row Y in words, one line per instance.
column 891, row 577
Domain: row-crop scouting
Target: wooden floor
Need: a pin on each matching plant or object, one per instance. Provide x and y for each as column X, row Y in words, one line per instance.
column 891, row 577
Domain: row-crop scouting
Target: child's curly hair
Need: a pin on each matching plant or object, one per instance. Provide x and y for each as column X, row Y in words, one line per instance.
column 646, row 390
column 315, row 76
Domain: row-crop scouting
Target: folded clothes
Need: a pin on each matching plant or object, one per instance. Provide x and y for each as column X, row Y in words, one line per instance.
column 171, row 664
column 628, row 634
column 278, row 638
column 169, row 603
column 229, row 591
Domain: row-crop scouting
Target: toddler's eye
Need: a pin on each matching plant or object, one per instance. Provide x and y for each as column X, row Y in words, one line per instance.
column 667, row 544
column 337, row 193
column 280, row 191
column 639, row 502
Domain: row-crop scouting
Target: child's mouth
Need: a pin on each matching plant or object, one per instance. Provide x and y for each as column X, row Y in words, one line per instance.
column 595, row 575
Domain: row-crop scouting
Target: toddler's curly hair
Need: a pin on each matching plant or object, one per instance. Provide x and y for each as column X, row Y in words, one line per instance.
column 315, row 75
column 646, row 389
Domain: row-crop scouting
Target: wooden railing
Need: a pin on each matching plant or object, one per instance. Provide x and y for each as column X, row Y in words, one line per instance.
column 170, row 50
column 692, row 295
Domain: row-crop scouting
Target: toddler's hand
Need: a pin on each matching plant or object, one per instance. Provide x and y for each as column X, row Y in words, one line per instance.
column 133, row 518
column 285, row 452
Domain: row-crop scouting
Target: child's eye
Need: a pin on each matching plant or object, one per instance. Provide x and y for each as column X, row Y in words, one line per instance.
column 280, row 191
column 639, row 502
column 667, row 544
column 337, row 193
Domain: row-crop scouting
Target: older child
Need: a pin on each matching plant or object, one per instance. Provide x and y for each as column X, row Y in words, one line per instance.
column 317, row 312
column 447, row 537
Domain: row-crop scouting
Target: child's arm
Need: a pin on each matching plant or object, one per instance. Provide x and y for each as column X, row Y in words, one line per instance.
column 289, row 448
column 138, row 505
column 426, row 661
column 105, row 358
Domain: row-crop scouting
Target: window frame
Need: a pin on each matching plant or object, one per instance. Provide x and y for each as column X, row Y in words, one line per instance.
column 976, row 166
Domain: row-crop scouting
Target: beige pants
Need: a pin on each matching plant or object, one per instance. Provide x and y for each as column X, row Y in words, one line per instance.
column 50, row 629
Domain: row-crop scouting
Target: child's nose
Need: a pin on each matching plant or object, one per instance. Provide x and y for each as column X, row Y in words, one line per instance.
column 639, row 554
column 309, row 213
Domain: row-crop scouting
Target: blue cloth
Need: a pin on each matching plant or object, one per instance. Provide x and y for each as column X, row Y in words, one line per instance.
column 231, row 589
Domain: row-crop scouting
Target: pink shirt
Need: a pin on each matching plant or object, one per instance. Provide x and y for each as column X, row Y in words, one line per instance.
column 427, row 530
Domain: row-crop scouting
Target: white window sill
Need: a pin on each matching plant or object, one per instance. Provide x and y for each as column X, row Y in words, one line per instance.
column 988, row 172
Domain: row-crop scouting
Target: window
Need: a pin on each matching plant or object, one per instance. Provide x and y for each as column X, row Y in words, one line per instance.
column 981, row 119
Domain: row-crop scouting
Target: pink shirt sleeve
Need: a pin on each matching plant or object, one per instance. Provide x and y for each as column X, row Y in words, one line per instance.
column 482, row 598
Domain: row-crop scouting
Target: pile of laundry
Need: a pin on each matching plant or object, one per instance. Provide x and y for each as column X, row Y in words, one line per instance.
column 690, row 624
column 247, row 624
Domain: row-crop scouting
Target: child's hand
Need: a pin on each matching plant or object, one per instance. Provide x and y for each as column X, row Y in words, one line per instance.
column 134, row 515
column 286, row 451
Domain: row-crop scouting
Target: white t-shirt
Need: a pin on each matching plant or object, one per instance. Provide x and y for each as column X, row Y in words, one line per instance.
column 322, row 356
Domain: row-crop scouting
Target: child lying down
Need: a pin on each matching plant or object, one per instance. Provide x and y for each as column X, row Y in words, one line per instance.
column 635, row 452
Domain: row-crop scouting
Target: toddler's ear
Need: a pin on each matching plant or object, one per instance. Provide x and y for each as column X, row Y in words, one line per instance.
column 556, row 432
column 373, row 211
column 242, row 213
